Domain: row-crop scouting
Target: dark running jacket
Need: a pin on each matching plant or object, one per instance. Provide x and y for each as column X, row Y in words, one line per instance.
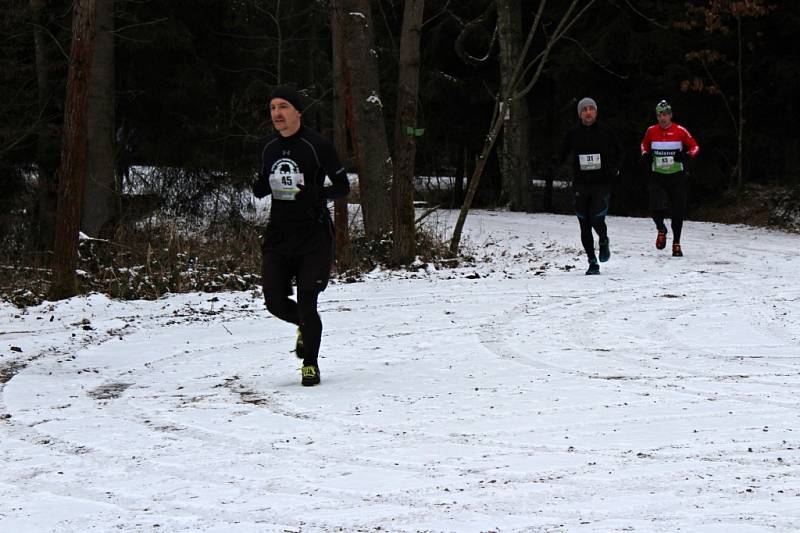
column 597, row 154
column 299, row 225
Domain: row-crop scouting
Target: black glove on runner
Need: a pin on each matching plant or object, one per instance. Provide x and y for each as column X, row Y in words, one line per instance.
column 302, row 193
column 261, row 188
column 647, row 160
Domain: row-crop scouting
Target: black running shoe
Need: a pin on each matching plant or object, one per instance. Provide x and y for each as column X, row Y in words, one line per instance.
column 298, row 346
column 594, row 268
column 605, row 250
column 310, row 375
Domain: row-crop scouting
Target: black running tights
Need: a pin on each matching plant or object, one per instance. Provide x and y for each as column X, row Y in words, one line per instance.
column 675, row 223
column 303, row 313
column 587, row 239
column 669, row 189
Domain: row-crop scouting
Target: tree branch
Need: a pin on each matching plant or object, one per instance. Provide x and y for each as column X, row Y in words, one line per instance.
column 460, row 46
column 645, row 17
column 439, row 14
column 564, row 25
column 593, row 60
column 53, row 37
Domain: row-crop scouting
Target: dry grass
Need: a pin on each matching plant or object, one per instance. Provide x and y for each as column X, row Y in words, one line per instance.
column 144, row 264
column 147, row 263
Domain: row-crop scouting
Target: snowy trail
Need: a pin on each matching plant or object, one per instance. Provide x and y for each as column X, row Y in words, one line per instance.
column 513, row 395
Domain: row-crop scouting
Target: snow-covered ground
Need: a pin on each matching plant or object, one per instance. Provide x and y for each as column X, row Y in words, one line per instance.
column 513, row 395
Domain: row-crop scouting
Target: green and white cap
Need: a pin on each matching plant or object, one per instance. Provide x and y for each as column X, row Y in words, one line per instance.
column 663, row 107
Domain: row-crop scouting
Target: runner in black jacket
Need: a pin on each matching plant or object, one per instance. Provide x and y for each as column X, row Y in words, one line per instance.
column 298, row 241
column 597, row 158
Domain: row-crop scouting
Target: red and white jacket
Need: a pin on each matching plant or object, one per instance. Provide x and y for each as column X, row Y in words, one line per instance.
column 663, row 144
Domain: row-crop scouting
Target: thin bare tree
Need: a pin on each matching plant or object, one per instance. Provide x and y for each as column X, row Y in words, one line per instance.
column 46, row 52
column 100, row 195
column 341, row 218
column 406, row 131
column 516, row 148
column 717, row 17
column 73, row 152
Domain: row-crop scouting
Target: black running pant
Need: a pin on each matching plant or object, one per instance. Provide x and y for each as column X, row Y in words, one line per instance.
column 591, row 207
column 668, row 192
column 311, row 270
column 302, row 313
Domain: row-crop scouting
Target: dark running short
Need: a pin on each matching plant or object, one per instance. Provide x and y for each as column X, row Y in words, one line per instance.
column 309, row 265
column 311, row 271
column 591, row 201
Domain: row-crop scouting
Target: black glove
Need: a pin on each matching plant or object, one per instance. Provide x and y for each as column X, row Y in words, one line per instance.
column 261, row 188
column 647, row 160
column 684, row 159
column 302, row 194
column 326, row 192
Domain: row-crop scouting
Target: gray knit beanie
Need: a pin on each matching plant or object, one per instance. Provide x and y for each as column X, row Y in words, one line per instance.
column 586, row 102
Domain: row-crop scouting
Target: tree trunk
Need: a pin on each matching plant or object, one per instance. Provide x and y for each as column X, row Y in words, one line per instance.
column 100, row 195
column 740, row 129
column 365, row 115
column 47, row 142
column 550, row 144
column 341, row 218
column 279, row 44
column 458, row 179
column 404, row 234
column 73, row 151
column 516, row 148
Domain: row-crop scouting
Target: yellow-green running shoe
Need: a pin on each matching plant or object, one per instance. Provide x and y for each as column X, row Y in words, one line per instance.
column 310, row 375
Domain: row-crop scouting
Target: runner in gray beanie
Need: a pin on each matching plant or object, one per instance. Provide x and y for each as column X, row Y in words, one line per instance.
column 586, row 102
column 597, row 156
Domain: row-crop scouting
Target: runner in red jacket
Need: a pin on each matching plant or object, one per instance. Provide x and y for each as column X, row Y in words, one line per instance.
column 666, row 150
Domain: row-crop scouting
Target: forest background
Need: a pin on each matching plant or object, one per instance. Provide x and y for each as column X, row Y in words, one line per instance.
column 177, row 111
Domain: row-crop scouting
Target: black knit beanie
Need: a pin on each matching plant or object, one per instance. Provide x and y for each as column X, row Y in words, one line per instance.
column 289, row 94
